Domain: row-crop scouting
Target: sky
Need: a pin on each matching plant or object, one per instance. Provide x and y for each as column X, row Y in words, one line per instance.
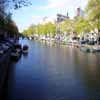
column 39, row 9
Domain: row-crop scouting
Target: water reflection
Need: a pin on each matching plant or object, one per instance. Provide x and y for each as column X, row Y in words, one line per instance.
column 54, row 73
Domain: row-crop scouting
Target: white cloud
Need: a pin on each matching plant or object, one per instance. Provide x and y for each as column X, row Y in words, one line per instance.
column 59, row 4
column 47, row 19
column 55, row 4
column 40, row 19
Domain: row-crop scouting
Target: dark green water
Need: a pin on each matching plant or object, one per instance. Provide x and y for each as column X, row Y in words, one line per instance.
column 54, row 73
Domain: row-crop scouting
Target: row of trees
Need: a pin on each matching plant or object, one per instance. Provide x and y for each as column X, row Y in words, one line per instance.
column 78, row 24
column 6, row 23
column 41, row 29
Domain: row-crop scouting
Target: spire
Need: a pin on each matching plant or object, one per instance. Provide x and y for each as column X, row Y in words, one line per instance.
column 67, row 15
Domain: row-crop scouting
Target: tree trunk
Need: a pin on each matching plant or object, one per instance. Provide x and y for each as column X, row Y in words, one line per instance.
column 98, row 27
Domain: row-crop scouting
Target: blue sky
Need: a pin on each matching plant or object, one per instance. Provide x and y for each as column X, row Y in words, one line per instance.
column 41, row 8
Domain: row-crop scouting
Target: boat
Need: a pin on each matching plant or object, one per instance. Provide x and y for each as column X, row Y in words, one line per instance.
column 30, row 38
column 97, row 49
column 88, row 49
column 92, row 50
column 25, row 49
column 84, row 49
column 16, row 52
column 18, row 48
column 15, row 55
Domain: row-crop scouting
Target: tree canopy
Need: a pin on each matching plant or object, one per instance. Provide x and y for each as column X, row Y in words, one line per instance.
column 14, row 4
column 6, row 22
column 41, row 29
column 93, row 11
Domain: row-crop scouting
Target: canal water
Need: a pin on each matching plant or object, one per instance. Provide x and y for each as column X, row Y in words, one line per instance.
column 54, row 73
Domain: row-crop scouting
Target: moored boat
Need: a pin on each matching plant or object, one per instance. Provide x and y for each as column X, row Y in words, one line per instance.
column 25, row 49
column 84, row 49
column 92, row 50
column 88, row 49
column 15, row 55
column 16, row 52
column 97, row 49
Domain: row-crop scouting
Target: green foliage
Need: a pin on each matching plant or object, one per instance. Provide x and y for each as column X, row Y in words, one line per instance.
column 68, row 26
column 44, row 29
column 6, row 22
column 83, row 25
column 11, row 28
column 30, row 31
column 14, row 4
column 8, row 25
column 93, row 10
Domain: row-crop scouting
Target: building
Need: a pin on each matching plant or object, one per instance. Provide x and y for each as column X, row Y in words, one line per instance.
column 61, row 17
column 80, row 12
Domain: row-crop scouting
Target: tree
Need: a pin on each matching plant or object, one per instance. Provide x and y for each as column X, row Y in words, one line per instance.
column 30, row 31
column 14, row 4
column 11, row 28
column 50, row 28
column 7, row 25
column 83, row 25
column 41, row 29
column 93, row 10
column 68, row 25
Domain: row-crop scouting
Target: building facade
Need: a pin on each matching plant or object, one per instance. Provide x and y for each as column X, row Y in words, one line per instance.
column 80, row 12
column 61, row 17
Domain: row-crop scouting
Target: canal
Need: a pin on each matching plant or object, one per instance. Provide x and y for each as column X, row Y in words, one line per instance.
column 54, row 73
